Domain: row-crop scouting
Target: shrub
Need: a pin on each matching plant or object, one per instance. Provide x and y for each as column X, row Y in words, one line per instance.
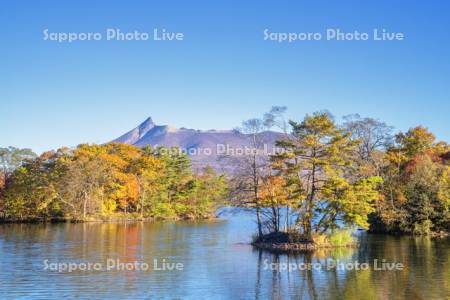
column 321, row 240
column 423, row 228
column 341, row 238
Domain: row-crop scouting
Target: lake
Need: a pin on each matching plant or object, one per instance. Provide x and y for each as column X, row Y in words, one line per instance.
column 214, row 260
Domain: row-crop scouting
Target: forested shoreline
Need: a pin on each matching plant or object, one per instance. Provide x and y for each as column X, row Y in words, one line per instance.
column 104, row 182
column 329, row 178
column 326, row 177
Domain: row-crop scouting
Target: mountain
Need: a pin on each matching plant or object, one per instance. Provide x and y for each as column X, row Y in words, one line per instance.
column 205, row 147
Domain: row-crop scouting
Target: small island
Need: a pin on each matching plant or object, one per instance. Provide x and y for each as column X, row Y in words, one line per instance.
column 292, row 241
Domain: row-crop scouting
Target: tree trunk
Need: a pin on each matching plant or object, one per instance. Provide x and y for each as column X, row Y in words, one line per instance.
column 142, row 205
column 258, row 219
column 256, row 196
column 286, row 225
column 142, row 193
column 309, row 204
column 275, row 219
column 85, row 206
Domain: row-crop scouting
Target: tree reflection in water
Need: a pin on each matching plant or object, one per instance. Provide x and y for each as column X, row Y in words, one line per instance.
column 422, row 277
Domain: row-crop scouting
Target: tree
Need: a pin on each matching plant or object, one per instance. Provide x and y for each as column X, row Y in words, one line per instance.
column 416, row 187
column 210, row 192
column 274, row 195
column 415, row 141
column 251, row 168
column 348, row 203
column 178, row 170
column 2, row 181
column 148, row 171
column 82, row 186
column 276, row 118
column 11, row 158
column 373, row 135
column 374, row 138
column 316, row 159
column 29, row 192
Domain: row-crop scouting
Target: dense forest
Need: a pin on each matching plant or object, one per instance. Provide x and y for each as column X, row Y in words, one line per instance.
column 324, row 176
column 103, row 181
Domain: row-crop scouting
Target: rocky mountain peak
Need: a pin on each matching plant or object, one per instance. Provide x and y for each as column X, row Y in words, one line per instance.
column 145, row 126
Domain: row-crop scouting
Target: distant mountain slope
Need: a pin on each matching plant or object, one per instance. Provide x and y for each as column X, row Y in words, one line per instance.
column 204, row 147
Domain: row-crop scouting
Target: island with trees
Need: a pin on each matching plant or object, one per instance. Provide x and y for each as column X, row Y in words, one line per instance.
column 328, row 179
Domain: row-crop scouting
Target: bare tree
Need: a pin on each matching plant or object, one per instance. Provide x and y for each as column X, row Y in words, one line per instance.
column 253, row 165
column 251, row 168
column 276, row 118
column 374, row 135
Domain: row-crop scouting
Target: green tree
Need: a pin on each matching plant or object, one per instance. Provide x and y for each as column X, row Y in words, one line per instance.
column 318, row 157
column 10, row 159
column 30, row 192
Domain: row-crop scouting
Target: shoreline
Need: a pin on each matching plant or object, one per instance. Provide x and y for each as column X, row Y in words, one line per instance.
column 125, row 219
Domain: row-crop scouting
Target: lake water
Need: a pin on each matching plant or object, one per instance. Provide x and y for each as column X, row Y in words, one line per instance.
column 217, row 263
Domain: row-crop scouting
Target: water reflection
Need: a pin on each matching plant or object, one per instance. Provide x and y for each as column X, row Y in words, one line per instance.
column 426, row 274
column 218, row 264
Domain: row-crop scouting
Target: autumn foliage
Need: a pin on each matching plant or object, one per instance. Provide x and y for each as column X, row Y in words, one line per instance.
column 416, row 191
column 102, row 181
column 327, row 176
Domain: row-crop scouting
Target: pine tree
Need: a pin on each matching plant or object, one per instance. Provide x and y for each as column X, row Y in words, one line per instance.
column 317, row 160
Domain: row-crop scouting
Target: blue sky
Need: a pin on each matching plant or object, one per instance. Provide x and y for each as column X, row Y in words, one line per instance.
column 54, row 94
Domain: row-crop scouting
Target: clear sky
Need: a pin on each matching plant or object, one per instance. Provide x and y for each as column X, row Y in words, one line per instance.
column 54, row 94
